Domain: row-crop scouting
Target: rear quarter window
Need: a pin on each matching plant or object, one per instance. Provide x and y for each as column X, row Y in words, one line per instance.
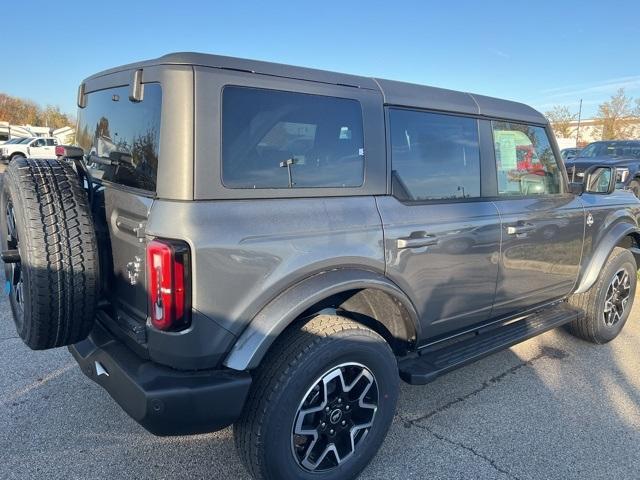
column 121, row 138
column 277, row 139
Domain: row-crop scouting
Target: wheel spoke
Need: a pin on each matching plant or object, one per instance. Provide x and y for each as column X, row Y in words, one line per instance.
column 16, row 277
column 617, row 297
column 334, row 417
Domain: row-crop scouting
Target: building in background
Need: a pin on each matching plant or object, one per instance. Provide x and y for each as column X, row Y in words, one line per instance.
column 591, row 131
column 64, row 135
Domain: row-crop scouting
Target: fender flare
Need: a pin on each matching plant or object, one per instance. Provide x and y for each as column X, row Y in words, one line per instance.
column 267, row 325
column 601, row 254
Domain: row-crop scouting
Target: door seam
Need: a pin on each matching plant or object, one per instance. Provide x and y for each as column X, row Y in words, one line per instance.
column 384, row 235
column 495, row 290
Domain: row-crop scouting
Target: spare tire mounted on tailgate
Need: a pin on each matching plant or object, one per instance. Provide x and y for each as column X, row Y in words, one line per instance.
column 50, row 252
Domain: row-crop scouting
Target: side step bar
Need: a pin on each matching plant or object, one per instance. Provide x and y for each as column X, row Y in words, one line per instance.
column 435, row 361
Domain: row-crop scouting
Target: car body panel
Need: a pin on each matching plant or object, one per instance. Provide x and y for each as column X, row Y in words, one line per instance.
column 613, row 217
column 451, row 282
column 250, row 246
column 246, row 253
column 264, row 258
column 542, row 264
column 254, row 342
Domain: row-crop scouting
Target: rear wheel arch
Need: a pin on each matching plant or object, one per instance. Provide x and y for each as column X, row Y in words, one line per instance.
column 366, row 297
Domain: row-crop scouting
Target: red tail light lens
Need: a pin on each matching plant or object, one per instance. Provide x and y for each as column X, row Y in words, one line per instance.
column 169, row 284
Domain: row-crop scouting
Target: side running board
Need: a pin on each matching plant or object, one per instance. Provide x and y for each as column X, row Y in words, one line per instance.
column 434, row 361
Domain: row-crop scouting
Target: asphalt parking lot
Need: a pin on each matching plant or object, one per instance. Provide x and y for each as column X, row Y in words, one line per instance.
column 553, row 407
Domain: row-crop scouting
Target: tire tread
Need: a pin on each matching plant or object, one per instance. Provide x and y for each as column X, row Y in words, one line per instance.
column 61, row 248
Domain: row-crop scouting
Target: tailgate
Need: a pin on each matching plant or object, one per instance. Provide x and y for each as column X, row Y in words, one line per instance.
column 121, row 142
column 122, row 247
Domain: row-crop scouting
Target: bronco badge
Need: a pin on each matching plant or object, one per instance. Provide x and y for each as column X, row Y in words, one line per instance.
column 133, row 270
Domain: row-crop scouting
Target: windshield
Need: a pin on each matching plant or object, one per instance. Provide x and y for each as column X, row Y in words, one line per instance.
column 611, row 149
column 25, row 140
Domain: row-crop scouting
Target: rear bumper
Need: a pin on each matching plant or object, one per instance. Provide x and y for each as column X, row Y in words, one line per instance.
column 162, row 400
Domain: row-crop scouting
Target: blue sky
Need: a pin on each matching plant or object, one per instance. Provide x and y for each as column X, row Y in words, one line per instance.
column 541, row 53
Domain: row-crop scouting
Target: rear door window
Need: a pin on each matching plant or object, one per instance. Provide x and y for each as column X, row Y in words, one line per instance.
column 276, row 139
column 434, row 156
column 121, row 138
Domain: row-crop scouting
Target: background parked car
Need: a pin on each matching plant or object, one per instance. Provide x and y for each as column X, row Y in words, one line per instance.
column 569, row 153
column 33, row 147
column 623, row 154
column 17, row 140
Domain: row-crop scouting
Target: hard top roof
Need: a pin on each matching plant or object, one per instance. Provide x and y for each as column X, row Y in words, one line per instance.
column 394, row 92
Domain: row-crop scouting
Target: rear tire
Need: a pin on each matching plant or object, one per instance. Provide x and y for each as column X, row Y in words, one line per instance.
column 306, row 370
column 53, row 289
column 605, row 311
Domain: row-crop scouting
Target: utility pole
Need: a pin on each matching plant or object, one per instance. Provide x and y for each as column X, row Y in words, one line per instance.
column 578, row 128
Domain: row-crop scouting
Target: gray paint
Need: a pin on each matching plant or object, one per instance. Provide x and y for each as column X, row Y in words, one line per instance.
column 615, row 216
column 394, row 92
column 542, row 264
column 245, row 253
column 260, row 256
column 278, row 314
column 452, row 283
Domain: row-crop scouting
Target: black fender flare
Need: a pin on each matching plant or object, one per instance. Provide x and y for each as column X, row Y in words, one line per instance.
column 272, row 320
column 601, row 254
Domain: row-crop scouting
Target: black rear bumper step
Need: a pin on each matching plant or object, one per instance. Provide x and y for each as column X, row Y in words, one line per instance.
column 432, row 363
column 162, row 400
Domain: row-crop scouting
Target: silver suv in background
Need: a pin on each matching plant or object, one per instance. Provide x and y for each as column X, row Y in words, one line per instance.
column 275, row 247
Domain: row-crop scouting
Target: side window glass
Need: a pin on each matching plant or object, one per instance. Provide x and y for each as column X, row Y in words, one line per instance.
column 277, row 139
column 434, row 156
column 525, row 161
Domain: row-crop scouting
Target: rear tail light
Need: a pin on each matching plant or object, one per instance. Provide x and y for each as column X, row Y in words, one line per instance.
column 169, row 284
column 69, row 151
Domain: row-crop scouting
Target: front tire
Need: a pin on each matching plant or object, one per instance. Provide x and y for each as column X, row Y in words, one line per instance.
column 608, row 302
column 321, row 403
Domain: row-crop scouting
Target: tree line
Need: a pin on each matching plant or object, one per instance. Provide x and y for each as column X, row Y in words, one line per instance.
column 617, row 118
column 18, row 111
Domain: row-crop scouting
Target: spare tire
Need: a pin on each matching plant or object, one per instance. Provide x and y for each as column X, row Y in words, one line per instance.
column 53, row 284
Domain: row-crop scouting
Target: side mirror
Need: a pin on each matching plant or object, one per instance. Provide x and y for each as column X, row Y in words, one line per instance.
column 600, row 180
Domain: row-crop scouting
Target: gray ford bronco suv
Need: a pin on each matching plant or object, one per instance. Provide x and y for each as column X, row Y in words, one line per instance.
column 274, row 247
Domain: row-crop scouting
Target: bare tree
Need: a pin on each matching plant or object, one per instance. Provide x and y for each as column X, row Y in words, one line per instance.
column 560, row 118
column 617, row 116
